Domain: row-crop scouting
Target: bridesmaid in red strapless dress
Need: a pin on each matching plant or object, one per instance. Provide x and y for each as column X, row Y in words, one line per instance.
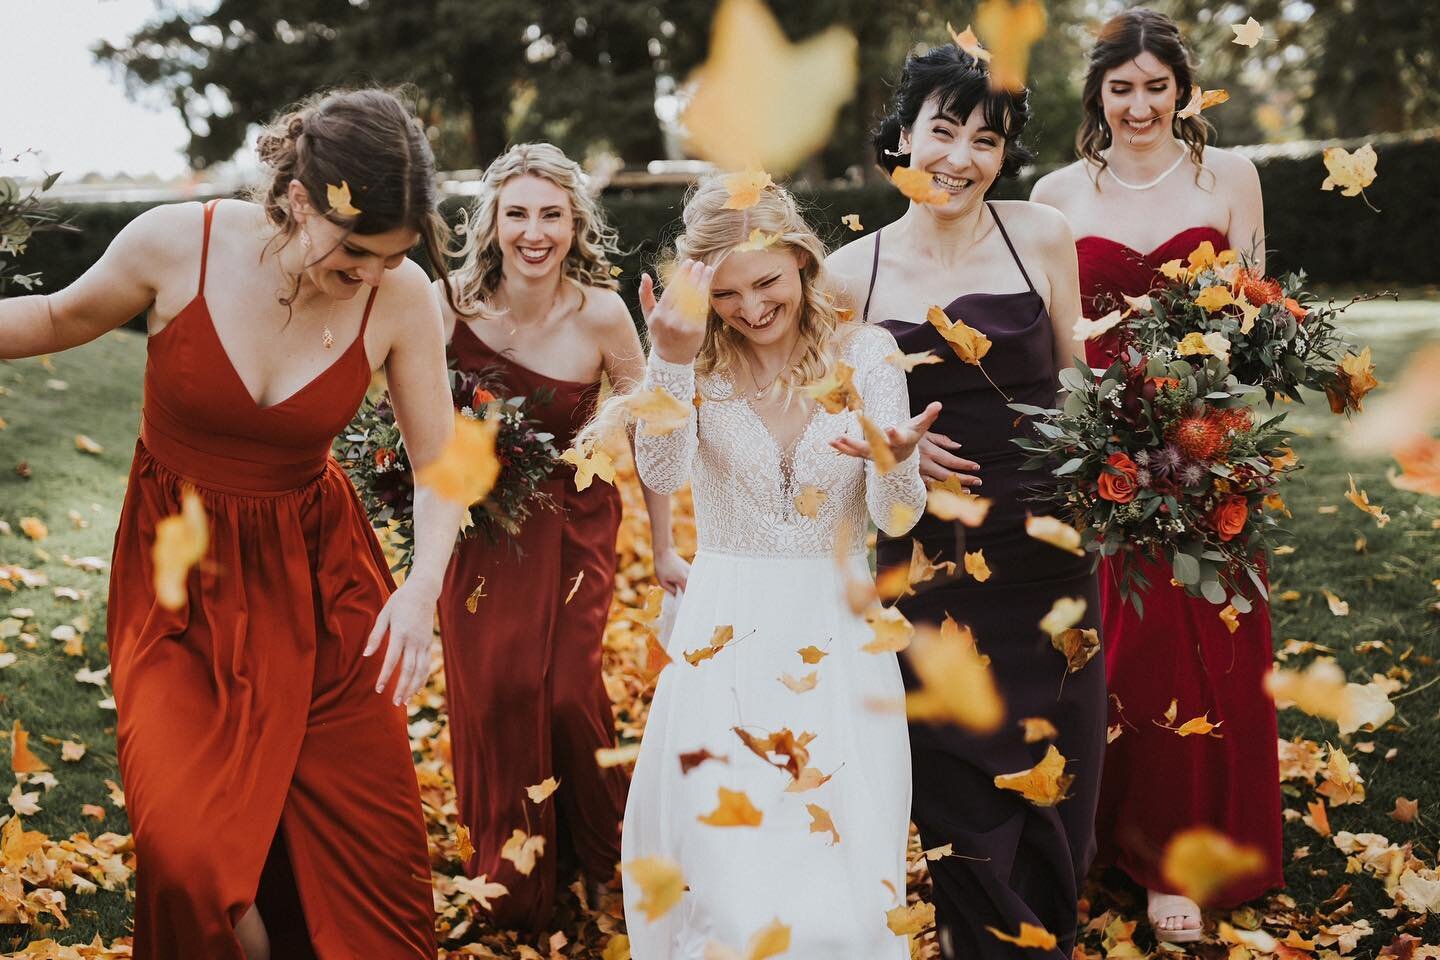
column 260, row 731
column 1156, row 186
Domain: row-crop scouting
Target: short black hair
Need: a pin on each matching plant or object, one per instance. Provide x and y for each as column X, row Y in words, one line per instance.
column 961, row 83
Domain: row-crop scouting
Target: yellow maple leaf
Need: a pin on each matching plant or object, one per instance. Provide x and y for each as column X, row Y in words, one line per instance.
column 472, row 602
column 758, row 240
column 1030, row 936
column 951, row 501
column 1340, row 779
column 809, row 501
column 1249, row 33
column 1338, row 607
column 852, row 220
column 733, row 809
column 1201, row 862
column 1043, row 784
column 803, row 684
column 616, row 948
column 1037, row 729
column 464, row 845
column 542, row 791
column 880, row 453
column 940, row 852
column 1078, row 645
column 606, row 757
column 1064, row 613
column 1351, row 172
column 812, row 654
column 719, row 637
column 466, row 470
column 480, row 889
column 1057, row 533
column 968, row 343
column 34, row 528
column 180, row 543
column 1202, row 100
column 22, row 758
column 761, row 100
column 976, row 566
column 919, row 186
column 836, row 390
column 1086, row 329
column 956, row 683
column 922, row 568
column 523, row 850
column 745, row 188
column 339, row 199
column 892, row 631
column 967, row 41
column 589, row 463
column 821, row 822
column 661, row 885
column 85, row 445
column 910, row 918
column 1213, row 299
column 1010, row 30
column 658, row 412
column 1361, row 499
column 909, row 361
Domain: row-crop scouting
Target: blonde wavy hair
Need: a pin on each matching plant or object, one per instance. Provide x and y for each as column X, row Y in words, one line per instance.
column 710, row 232
column 587, row 264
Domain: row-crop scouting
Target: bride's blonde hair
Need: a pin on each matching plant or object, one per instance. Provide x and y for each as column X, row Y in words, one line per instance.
column 587, row 264
column 711, row 232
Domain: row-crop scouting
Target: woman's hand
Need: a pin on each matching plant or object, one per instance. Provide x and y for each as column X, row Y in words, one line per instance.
column 677, row 322
column 408, row 618
column 939, row 464
column 902, row 440
column 671, row 570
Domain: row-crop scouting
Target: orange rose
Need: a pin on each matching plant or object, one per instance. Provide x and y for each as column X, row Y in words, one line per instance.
column 481, row 397
column 1119, row 487
column 1230, row 516
column 1296, row 311
column 385, row 458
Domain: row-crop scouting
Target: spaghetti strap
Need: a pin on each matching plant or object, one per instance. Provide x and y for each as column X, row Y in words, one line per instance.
column 365, row 317
column 205, row 242
column 874, row 272
column 1013, row 254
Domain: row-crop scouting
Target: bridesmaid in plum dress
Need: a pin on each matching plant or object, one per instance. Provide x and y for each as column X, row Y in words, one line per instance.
column 1146, row 190
column 1006, row 268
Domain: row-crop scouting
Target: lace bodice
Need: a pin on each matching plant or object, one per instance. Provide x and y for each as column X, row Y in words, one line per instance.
column 745, row 487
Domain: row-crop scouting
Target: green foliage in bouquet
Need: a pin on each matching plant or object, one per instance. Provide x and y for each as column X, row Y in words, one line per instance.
column 22, row 215
column 373, row 453
column 1166, row 459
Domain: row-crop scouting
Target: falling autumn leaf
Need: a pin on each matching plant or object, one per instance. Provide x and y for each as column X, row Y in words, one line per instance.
column 85, row 445
column 803, row 684
column 1341, row 782
column 733, row 809
column 472, row 602
column 1201, row 862
column 968, row 343
column 745, row 188
column 1030, row 936
column 919, row 186
column 1043, row 784
column 1064, row 613
column 1354, row 378
column 480, row 889
column 575, row 586
column 956, row 683
column 180, row 543
column 762, row 101
column 1078, row 645
column 1351, row 172
column 852, row 220
column 589, row 463
column 1322, row 691
column 464, row 845
column 951, row 501
column 542, row 791
column 1009, row 31
column 22, row 759
column 909, row 361
column 339, row 199
column 1361, row 500
column 910, row 918
column 1419, row 460
column 523, row 850
column 606, row 757
column 758, row 240
column 1249, row 33
column 821, row 822
column 939, row 853
column 34, row 528
column 809, row 501
column 976, row 566
column 836, row 390
column 658, row 412
column 467, row 467
column 1086, row 329
column 1230, row 616
column 1202, row 100
column 1038, row 729
column 1340, row 608
column 892, row 631
column 1055, row 532
column 719, row 637
column 880, row 453
column 967, row 41
column 689, row 761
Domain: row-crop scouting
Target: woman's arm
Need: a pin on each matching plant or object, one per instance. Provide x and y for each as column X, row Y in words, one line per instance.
column 122, row 283
column 1247, row 210
column 1062, row 270
column 624, row 364
column 419, row 388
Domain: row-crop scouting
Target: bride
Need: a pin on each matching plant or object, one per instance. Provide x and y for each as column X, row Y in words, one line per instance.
column 804, row 825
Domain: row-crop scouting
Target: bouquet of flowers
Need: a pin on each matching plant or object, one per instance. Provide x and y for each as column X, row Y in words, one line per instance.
column 1270, row 332
column 1169, row 458
column 373, row 453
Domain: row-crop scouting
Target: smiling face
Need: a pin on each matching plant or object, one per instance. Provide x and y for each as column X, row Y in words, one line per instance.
column 759, row 294
column 339, row 261
column 963, row 154
column 1135, row 98
column 534, row 225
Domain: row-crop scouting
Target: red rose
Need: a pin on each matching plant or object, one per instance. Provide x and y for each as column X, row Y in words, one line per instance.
column 1119, row 487
column 1230, row 516
column 384, row 459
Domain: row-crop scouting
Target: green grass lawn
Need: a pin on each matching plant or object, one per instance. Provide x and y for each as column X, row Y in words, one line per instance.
column 1386, row 581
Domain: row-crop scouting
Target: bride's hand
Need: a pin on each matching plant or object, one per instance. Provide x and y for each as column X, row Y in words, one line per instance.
column 676, row 331
column 671, row 570
column 902, row 440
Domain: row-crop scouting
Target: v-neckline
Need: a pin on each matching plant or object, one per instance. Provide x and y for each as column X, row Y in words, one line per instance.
column 783, row 454
column 240, row 381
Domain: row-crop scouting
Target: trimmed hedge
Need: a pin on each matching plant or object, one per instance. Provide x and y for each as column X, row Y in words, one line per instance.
column 1336, row 239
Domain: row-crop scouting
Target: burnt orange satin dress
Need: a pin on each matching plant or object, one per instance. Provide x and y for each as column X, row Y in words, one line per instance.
column 259, row 764
column 523, row 672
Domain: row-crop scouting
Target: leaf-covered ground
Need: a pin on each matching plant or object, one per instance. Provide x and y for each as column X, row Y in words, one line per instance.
column 1352, row 901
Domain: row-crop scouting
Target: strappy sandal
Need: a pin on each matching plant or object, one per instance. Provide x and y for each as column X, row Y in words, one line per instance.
column 1164, row 905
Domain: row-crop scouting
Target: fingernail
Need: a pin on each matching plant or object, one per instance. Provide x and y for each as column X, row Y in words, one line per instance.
column 380, row 688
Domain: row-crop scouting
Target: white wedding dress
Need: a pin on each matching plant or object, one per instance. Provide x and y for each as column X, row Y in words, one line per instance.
column 772, row 574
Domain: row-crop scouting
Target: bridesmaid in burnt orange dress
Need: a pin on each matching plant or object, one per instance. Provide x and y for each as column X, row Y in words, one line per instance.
column 262, row 746
column 526, row 698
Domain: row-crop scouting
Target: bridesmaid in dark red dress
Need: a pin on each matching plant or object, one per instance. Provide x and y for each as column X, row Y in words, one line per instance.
column 263, row 749
column 1006, row 268
column 1146, row 190
column 526, row 698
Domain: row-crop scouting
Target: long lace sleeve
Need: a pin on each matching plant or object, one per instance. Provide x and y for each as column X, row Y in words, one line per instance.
column 887, row 404
column 665, row 461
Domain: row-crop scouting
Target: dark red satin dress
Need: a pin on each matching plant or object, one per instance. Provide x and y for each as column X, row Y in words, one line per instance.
column 1155, row 782
column 523, row 672
column 259, row 764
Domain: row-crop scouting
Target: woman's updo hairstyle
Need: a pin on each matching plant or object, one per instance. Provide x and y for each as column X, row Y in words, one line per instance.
column 1124, row 37
column 960, row 82
column 369, row 141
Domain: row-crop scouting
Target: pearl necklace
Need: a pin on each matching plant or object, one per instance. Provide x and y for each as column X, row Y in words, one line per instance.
column 1147, row 185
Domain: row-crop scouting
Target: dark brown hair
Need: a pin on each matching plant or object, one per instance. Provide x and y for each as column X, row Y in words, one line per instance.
column 1123, row 38
column 369, row 140
column 960, row 82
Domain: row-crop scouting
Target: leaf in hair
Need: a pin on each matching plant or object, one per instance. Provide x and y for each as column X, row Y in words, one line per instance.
column 339, row 199
column 745, row 188
column 759, row 240
column 967, row 41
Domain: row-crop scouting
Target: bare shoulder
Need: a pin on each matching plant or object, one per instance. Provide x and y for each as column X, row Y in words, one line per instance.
column 1035, row 225
column 848, row 269
column 1228, row 162
column 407, row 295
column 165, row 235
column 604, row 314
column 1053, row 188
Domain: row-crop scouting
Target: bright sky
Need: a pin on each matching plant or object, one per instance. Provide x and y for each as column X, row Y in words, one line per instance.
column 59, row 101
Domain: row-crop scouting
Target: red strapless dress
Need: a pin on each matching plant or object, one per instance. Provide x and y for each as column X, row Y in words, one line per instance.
column 1156, row 783
column 260, row 766
column 523, row 672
